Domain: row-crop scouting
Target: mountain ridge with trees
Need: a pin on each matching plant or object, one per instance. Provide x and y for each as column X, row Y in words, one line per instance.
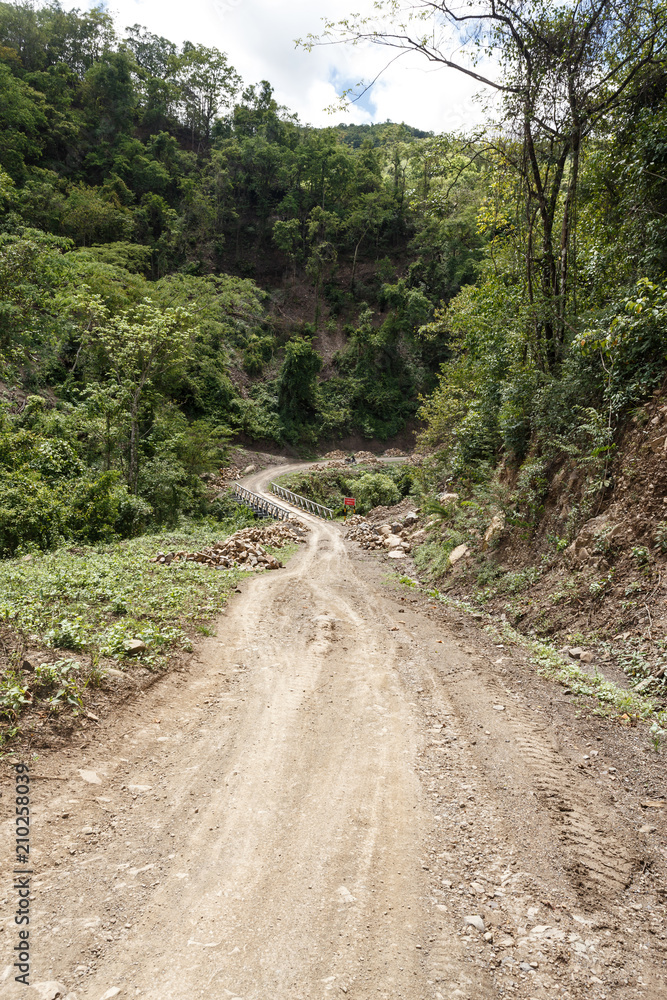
column 182, row 261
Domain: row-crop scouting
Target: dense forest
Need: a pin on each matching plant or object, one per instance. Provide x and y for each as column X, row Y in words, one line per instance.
column 183, row 262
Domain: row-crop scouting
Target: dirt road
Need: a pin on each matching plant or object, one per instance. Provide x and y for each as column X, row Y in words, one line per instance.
column 318, row 803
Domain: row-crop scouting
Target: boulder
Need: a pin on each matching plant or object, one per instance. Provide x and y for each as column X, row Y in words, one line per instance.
column 582, row 548
column 410, row 519
column 658, row 444
column 447, row 498
column 494, row 529
column 134, row 647
column 392, row 541
column 460, row 552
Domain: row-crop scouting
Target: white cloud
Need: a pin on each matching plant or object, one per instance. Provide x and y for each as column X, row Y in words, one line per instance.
column 258, row 36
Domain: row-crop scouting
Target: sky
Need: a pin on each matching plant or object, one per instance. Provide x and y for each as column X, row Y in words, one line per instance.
column 258, row 37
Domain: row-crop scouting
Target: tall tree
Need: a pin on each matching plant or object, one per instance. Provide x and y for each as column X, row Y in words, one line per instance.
column 140, row 350
column 561, row 70
column 208, row 86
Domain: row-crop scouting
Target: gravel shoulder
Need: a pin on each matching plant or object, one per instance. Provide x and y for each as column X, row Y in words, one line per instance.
column 315, row 804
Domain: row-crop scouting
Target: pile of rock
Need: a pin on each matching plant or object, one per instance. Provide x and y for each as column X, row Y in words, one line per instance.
column 396, row 512
column 597, row 536
column 335, row 463
column 243, row 549
column 395, row 539
column 222, row 479
column 337, row 454
column 276, row 533
column 394, row 453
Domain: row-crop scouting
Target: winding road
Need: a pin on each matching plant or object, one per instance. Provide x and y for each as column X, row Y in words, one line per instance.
column 349, row 792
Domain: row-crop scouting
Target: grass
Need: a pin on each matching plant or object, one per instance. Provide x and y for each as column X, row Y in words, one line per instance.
column 101, row 597
column 95, row 600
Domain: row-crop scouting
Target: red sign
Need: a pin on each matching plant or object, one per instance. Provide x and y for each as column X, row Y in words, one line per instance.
column 350, row 501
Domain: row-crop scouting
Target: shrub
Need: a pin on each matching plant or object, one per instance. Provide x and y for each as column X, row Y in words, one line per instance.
column 166, row 487
column 134, row 514
column 102, row 510
column 57, row 460
column 38, row 514
column 373, row 489
column 30, row 512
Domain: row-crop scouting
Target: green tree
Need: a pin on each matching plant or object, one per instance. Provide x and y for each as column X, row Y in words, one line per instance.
column 562, row 71
column 322, row 227
column 109, row 98
column 22, row 124
column 139, row 351
column 90, row 218
column 208, row 85
column 287, row 237
column 297, row 382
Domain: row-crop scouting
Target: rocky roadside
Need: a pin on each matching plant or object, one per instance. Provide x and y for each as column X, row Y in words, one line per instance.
column 396, row 538
column 243, row 550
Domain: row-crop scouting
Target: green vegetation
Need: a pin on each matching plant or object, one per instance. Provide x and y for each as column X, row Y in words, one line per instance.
column 562, row 328
column 370, row 488
column 175, row 251
column 183, row 263
column 98, row 598
column 94, row 600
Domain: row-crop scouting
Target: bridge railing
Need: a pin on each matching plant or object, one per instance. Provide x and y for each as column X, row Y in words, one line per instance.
column 261, row 505
column 318, row 509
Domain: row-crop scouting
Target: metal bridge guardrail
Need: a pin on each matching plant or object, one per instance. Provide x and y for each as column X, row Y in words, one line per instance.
column 313, row 508
column 261, row 505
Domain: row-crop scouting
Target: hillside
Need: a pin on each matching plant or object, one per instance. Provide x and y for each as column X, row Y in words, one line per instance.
column 183, row 263
column 185, row 267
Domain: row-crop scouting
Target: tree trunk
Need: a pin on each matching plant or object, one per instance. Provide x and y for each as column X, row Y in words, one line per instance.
column 547, row 204
column 107, row 457
column 317, row 299
column 133, row 462
column 567, row 225
column 354, row 262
